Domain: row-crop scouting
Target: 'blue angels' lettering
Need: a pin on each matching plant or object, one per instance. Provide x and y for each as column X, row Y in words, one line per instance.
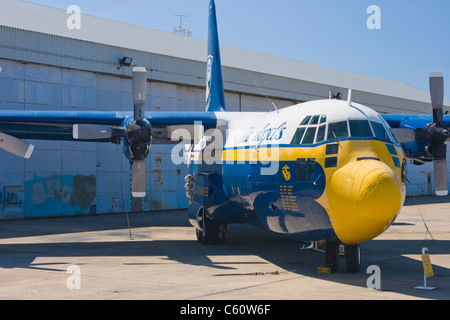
column 265, row 134
column 269, row 133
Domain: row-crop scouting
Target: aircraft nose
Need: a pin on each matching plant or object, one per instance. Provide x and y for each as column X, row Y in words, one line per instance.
column 365, row 198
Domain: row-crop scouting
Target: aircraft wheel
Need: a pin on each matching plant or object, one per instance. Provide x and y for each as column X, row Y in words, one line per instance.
column 199, row 235
column 209, row 232
column 332, row 256
column 353, row 258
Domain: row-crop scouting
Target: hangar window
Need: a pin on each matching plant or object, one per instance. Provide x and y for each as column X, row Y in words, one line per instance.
column 338, row 130
column 360, row 129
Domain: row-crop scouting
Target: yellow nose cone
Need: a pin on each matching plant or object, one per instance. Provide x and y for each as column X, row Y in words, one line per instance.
column 365, row 197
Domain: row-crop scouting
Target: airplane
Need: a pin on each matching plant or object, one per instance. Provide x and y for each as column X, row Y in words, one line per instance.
column 327, row 171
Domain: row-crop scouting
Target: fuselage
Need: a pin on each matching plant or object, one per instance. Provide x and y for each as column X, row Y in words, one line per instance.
column 322, row 170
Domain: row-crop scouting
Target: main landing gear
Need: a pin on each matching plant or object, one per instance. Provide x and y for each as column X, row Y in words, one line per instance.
column 209, row 231
column 352, row 254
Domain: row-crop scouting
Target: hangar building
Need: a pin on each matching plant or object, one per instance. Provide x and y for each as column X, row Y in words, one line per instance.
column 44, row 65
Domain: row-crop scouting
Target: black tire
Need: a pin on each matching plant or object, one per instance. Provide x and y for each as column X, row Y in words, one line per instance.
column 353, row 258
column 199, row 235
column 332, row 256
column 210, row 232
column 210, row 229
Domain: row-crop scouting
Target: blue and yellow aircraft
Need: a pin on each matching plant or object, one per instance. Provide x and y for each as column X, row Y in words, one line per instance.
column 328, row 170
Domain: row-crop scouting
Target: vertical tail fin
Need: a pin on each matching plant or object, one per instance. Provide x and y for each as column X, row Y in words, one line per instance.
column 215, row 97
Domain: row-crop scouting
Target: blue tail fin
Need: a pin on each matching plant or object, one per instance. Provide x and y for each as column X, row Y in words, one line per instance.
column 215, row 97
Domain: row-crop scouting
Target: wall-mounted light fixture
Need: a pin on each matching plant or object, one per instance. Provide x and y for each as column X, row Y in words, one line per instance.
column 125, row 62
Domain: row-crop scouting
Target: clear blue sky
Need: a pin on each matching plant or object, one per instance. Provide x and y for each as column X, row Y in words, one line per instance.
column 413, row 41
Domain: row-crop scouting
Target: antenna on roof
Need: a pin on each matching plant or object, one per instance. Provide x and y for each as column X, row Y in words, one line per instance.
column 262, row 91
column 349, row 99
column 180, row 30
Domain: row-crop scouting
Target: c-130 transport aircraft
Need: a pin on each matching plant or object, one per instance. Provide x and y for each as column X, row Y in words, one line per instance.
column 329, row 171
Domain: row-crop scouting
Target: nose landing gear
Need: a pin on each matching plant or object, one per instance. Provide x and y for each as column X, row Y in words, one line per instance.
column 352, row 254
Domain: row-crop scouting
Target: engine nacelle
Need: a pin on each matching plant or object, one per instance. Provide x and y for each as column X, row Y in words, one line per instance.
column 139, row 139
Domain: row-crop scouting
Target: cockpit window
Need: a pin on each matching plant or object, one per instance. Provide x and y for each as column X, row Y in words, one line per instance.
column 360, row 129
column 315, row 129
column 315, row 120
column 321, row 133
column 338, row 130
column 380, row 132
column 309, row 136
column 298, row 135
column 306, row 133
column 393, row 135
column 305, row 121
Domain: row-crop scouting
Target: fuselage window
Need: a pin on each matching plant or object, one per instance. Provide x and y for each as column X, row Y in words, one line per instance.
column 331, row 162
column 338, row 130
column 306, row 170
column 360, row 129
column 323, row 118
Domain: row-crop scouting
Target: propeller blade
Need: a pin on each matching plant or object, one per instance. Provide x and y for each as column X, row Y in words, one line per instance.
column 440, row 169
column 437, row 95
column 97, row 132
column 16, row 146
column 91, row 131
column 139, row 83
column 138, row 179
column 441, row 177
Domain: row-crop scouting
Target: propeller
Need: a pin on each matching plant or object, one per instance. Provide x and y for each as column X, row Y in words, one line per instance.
column 438, row 134
column 16, row 146
column 137, row 136
column 434, row 135
column 139, row 133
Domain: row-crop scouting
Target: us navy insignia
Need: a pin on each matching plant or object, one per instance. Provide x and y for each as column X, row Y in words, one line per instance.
column 286, row 173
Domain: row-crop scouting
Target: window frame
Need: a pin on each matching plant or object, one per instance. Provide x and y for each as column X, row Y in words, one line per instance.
column 335, row 136
column 365, row 121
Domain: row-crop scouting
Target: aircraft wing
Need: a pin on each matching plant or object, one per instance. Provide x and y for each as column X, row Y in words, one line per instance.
column 51, row 125
column 412, row 121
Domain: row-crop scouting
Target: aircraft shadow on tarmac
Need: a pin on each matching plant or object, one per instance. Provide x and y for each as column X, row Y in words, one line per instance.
column 399, row 274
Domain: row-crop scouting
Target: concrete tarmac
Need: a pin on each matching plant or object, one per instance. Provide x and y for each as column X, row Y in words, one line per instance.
column 93, row 257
